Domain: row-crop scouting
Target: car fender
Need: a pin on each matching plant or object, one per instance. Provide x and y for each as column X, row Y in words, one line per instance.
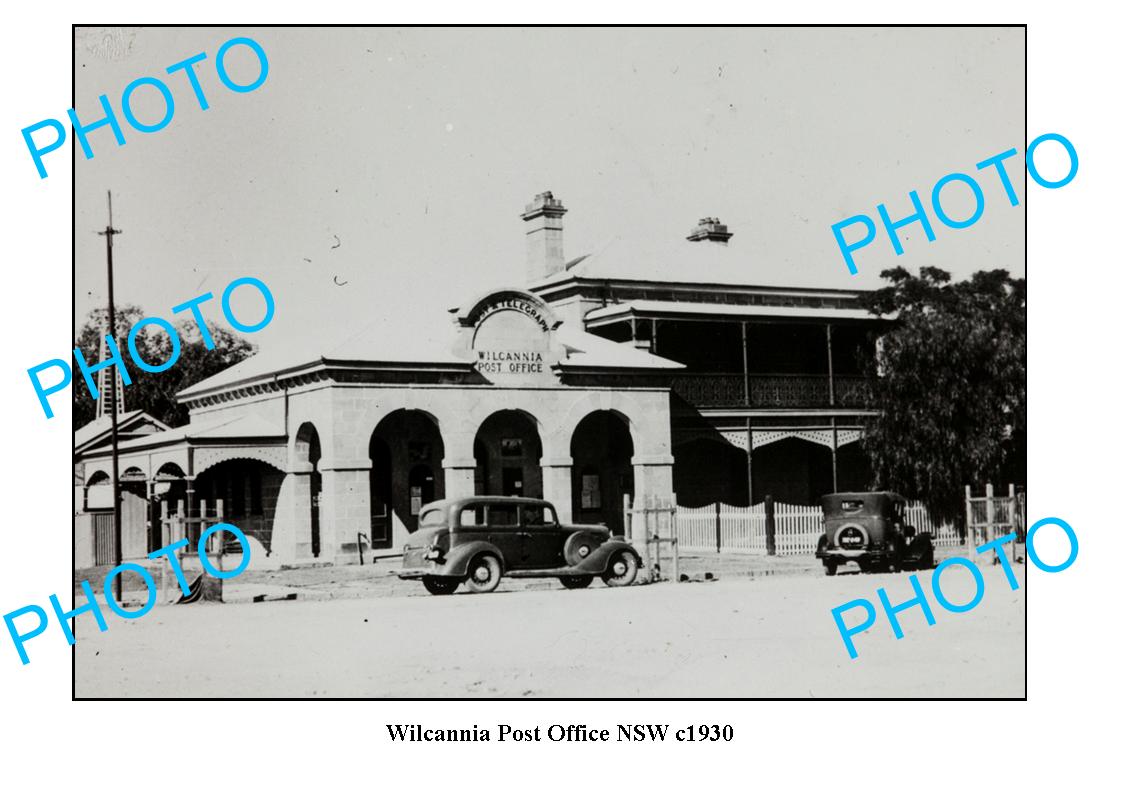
column 593, row 537
column 596, row 563
column 456, row 562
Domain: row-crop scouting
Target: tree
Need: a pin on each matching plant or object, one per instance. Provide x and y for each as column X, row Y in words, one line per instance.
column 949, row 385
column 155, row 392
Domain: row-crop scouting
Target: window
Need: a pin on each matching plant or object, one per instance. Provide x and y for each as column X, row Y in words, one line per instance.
column 433, row 517
column 471, row 516
column 538, row 515
column 500, row 515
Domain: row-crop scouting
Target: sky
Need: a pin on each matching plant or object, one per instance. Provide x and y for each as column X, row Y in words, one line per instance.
column 378, row 174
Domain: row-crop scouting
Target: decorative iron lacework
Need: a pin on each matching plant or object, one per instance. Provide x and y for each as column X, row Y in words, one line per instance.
column 767, row 436
column 208, row 457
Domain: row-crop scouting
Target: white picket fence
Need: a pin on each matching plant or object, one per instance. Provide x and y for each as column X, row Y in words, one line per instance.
column 742, row 528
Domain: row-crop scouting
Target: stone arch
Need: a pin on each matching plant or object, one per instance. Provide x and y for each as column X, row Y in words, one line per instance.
column 306, row 449
column 601, row 448
column 508, row 449
column 305, row 464
column 403, row 444
column 591, row 402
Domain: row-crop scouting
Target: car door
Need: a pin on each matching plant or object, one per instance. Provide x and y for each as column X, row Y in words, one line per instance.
column 504, row 532
column 545, row 539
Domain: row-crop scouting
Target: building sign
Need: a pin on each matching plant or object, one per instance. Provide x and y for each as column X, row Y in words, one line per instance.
column 531, row 310
column 497, row 361
column 509, row 336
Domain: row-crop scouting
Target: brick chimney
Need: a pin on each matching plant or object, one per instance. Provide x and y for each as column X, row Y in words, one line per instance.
column 711, row 229
column 544, row 254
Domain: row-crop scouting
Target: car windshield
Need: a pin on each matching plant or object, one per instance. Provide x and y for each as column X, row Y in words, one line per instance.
column 432, row 517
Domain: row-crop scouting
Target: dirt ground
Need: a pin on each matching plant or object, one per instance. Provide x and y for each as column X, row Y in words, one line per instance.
column 349, row 634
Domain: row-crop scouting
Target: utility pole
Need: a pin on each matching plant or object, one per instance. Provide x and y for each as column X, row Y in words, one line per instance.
column 109, row 233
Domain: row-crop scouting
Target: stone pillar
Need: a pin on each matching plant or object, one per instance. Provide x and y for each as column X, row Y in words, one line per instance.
column 557, row 486
column 344, row 508
column 292, row 541
column 460, row 477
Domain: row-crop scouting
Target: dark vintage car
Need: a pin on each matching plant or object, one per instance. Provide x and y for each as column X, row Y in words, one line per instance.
column 478, row 540
column 869, row 528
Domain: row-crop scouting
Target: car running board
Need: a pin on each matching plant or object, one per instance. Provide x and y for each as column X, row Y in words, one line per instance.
column 548, row 573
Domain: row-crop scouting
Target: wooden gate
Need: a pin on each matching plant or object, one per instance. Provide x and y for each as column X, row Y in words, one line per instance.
column 105, row 550
column 991, row 517
column 650, row 526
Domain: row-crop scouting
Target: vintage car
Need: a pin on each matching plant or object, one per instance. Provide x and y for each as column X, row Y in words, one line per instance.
column 478, row 540
column 868, row 528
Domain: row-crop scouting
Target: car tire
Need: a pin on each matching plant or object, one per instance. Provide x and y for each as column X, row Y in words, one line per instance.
column 927, row 559
column 438, row 585
column 576, row 581
column 830, row 568
column 484, row 574
column 622, row 569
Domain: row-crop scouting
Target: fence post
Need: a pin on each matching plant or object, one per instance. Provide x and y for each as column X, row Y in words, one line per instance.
column 717, row 526
column 769, row 526
column 991, row 533
column 970, row 525
column 1012, row 517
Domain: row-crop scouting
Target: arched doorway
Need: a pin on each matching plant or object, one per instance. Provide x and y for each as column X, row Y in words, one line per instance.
column 602, row 450
column 308, row 452
column 406, row 451
column 508, row 453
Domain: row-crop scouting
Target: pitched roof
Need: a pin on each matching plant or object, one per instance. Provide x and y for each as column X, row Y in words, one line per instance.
column 127, row 423
column 240, row 427
column 427, row 338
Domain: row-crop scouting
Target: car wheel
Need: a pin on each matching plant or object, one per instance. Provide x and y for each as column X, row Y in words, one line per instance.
column 622, row 569
column 831, row 568
column 437, row 585
column 483, row 574
column 927, row 560
column 576, row 581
